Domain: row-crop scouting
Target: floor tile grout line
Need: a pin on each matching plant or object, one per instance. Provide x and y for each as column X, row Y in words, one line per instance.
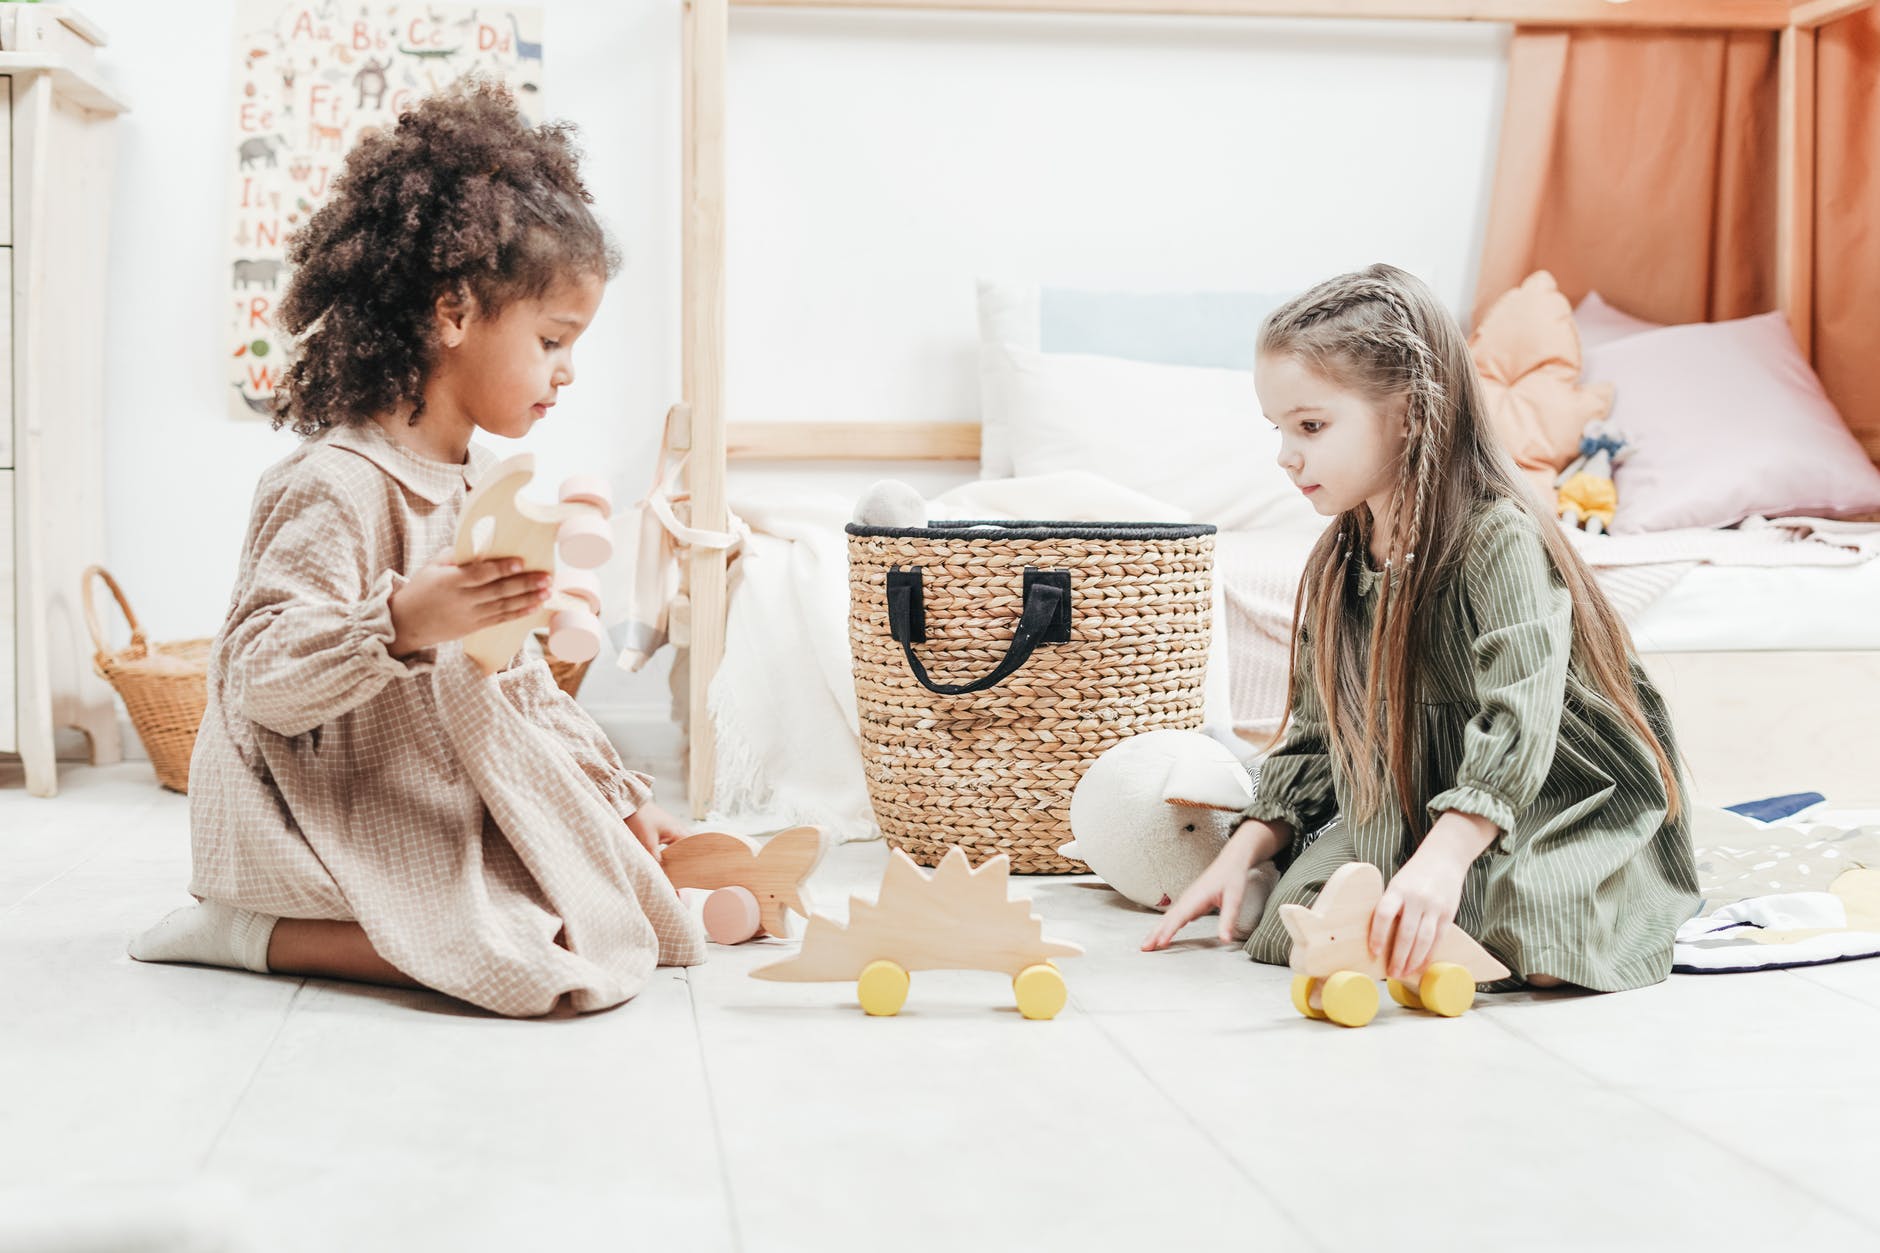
column 711, row 1107
column 1635, row 1094
column 1188, row 1117
column 102, row 821
column 235, row 1107
column 1825, row 987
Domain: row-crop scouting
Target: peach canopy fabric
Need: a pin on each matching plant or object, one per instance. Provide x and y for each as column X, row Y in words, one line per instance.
column 1643, row 164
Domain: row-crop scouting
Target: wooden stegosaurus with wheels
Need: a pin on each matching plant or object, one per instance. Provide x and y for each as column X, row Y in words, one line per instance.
column 956, row 919
column 1336, row 976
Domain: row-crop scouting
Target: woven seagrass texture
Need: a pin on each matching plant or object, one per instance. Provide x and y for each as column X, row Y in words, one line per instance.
column 164, row 687
column 992, row 772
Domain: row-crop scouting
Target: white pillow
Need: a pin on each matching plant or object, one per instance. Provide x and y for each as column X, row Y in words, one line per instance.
column 1008, row 320
column 1212, row 329
column 1187, row 435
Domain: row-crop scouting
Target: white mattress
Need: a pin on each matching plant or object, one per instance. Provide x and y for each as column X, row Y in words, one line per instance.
column 1762, row 608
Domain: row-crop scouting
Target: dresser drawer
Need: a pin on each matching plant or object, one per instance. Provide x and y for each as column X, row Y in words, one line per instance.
column 9, row 637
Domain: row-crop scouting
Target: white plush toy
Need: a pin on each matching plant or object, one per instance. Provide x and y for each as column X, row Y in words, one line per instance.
column 1152, row 812
column 891, row 502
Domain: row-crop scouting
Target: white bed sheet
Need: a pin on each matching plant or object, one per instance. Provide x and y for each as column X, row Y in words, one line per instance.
column 1765, row 608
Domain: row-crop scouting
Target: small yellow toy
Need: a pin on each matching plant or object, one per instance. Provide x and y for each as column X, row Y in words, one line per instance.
column 1336, row 975
column 956, row 919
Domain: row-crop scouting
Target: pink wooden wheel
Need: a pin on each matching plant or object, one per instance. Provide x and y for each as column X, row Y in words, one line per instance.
column 585, row 542
column 588, row 489
column 574, row 635
column 732, row 915
column 583, row 585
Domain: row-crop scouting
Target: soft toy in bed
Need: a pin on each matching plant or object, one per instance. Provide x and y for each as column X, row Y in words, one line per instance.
column 1153, row 811
column 1584, row 492
column 891, row 502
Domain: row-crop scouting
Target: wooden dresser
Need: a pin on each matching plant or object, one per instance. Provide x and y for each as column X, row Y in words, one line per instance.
column 56, row 124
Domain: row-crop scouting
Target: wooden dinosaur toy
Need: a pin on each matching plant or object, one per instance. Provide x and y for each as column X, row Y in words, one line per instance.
column 747, row 886
column 1336, row 974
column 496, row 522
column 957, row 918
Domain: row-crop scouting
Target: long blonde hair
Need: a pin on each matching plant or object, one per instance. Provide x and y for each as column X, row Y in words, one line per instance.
column 1381, row 333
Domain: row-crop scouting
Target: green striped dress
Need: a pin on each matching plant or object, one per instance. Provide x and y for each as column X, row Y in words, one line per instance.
column 1587, row 881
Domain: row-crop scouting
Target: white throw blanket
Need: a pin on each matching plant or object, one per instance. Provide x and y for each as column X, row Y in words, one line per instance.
column 783, row 701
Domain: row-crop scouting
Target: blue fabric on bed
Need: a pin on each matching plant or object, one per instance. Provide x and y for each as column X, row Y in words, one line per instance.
column 1772, row 808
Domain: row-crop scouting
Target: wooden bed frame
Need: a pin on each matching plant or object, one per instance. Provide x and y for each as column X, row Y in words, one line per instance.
column 712, row 442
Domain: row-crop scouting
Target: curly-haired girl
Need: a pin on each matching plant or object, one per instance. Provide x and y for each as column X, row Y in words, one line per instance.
column 364, row 803
column 1464, row 699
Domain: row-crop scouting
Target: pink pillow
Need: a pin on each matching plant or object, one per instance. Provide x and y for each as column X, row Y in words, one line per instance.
column 1726, row 420
column 1600, row 323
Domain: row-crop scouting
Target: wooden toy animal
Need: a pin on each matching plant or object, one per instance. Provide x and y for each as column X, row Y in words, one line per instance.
column 956, row 919
column 496, row 522
column 748, row 887
column 1336, row 974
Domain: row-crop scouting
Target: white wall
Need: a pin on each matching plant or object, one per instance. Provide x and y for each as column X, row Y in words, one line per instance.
column 879, row 162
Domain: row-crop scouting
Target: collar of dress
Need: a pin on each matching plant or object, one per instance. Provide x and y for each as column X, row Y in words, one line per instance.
column 435, row 481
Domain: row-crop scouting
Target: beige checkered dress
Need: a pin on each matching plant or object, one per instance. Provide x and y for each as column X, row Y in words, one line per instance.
column 473, row 826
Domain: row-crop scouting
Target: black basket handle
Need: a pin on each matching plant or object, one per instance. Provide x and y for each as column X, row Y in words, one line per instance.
column 1046, row 619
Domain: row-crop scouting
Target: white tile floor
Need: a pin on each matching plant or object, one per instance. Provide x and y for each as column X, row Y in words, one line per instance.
column 1177, row 1103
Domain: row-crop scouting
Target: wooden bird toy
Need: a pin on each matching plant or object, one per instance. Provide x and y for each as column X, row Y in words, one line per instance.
column 497, row 522
column 1336, row 974
column 749, row 886
column 956, row 919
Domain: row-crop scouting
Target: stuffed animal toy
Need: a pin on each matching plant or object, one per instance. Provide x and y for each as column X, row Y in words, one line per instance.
column 1152, row 812
column 891, row 502
column 1584, row 492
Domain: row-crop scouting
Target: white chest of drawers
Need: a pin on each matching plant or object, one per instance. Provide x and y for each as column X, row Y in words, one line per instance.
column 56, row 131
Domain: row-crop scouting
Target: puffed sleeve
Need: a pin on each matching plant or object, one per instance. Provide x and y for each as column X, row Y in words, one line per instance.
column 1523, row 621
column 1295, row 784
column 307, row 641
column 530, row 686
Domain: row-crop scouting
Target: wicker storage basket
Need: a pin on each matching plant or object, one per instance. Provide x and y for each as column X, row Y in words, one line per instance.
column 163, row 686
column 995, row 660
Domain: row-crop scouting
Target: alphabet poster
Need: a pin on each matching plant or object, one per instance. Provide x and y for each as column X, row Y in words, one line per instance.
column 311, row 77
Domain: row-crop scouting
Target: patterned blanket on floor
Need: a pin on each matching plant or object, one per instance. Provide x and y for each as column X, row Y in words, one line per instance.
column 1780, row 894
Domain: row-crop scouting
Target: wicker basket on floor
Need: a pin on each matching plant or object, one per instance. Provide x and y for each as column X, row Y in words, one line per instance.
column 995, row 661
column 163, row 686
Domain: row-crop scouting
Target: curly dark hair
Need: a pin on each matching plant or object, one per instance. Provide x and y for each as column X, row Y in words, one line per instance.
column 462, row 196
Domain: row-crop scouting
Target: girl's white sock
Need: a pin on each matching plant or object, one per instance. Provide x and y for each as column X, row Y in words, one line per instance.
column 210, row 934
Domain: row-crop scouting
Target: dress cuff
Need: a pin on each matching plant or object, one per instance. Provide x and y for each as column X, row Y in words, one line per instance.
column 1481, row 803
column 631, row 792
column 369, row 631
column 1273, row 809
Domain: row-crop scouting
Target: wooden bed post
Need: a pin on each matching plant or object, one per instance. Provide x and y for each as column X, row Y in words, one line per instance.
column 1795, row 185
column 703, row 349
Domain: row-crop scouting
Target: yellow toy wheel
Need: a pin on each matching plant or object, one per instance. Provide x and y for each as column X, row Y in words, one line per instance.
column 1302, row 986
column 1040, row 991
column 1403, row 995
column 1447, row 989
column 1350, row 999
column 882, row 988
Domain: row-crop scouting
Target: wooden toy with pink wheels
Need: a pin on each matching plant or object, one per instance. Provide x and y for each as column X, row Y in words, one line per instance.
column 956, row 919
column 1335, row 976
column 743, row 889
column 497, row 522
